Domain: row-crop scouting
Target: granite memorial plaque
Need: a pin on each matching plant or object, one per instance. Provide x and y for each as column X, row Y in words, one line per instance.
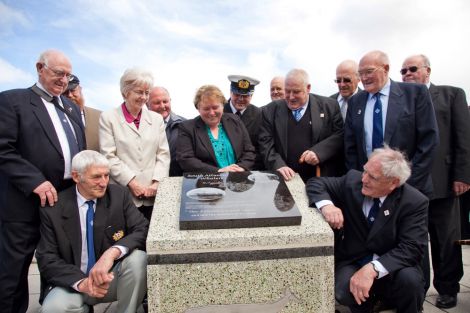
column 236, row 200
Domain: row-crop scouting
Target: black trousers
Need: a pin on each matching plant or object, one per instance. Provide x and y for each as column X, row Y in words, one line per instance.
column 446, row 256
column 403, row 289
column 17, row 244
column 465, row 215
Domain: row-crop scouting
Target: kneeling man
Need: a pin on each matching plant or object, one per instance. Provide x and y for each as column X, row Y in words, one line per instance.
column 381, row 233
column 92, row 242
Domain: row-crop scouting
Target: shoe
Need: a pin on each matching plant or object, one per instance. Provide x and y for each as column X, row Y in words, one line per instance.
column 446, row 301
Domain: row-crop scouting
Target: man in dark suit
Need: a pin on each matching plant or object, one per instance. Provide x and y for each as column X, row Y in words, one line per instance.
column 450, row 177
column 90, row 240
column 301, row 132
column 347, row 79
column 239, row 103
column 381, row 223
column 398, row 114
column 90, row 116
column 39, row 134
column 160, row 102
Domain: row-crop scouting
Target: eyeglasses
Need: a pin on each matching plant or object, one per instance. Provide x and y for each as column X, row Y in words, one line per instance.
column 412, row 69
column 58, row 73
column 343, row 80
column 141, row 92
column 369, row 71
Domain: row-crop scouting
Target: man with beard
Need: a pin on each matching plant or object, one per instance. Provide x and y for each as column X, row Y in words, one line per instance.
column 90, row 116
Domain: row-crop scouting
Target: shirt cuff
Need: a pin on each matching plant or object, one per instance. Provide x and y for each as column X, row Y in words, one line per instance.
column 320, row 204
column 124, row 250
column 75, row 286
column 378, row 266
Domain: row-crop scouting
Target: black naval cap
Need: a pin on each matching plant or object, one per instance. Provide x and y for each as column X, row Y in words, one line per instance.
column 73, row 83
column 243, row 85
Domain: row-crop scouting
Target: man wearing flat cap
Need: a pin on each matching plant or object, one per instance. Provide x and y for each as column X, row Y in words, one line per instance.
column 241, row 91
column 90, row 116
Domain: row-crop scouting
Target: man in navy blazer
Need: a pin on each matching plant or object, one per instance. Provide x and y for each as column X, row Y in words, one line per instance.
column 35, row 159
column 450, row 177
column 382, row 233
column 77, row 270
column 408, row 120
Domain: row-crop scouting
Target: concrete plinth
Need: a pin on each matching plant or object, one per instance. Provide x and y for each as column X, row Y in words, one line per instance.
column 267, row 269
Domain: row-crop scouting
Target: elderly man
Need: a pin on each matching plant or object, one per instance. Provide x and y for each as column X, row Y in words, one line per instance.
column 347, row 79
column 450, row 177
column 90, row 116
column 301, row 132
column 40, row 132
column 160, row 102
column 277, row 88
column 239, row 103
column 382, row 233
column 92, row 242
column 398, row 114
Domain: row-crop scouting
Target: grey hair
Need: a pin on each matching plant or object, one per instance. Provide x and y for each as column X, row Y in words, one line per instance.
column 86, row 158
column 299, row 74
column 134, row 77
column 394, row 163
column 378, row 56
column 425, row 59
column 45, row 55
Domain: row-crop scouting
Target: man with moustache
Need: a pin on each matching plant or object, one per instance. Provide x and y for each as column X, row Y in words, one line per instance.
column 398, row 114
column 450, row 176
column 90, row 116
column 40, row 133
column 347, row 79
column 277, row 88
column 160, row 102
column 241, row 91
column 302, row 132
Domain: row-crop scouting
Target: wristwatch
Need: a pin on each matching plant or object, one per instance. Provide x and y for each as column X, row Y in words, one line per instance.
column 375, row 269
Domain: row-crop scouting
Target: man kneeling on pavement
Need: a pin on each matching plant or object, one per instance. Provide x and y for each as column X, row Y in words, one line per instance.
column 92, row 243
column 380, row 225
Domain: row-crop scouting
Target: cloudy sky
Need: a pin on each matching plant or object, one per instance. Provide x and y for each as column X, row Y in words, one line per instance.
column 188, row 43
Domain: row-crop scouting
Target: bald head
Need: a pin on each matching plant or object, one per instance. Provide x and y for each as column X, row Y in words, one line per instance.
column 277, row 88
column 373, row 70
column 160, row 101
column 416, row 69
column 54, row 69
column 347, row 78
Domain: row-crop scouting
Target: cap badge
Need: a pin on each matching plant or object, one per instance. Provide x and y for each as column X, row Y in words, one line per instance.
column 118, row 235
column 243, row 84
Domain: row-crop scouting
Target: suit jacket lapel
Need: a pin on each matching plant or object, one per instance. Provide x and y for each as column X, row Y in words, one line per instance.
column 40, row 111
column 233, row 136
column 394, row 110
column 360, row 110
column 317, row 117
column 75, row 121
column 280, row 121
column 124, row 123
column 99, row 223
column 71, row 224
column 203, row 138
column 384, row 214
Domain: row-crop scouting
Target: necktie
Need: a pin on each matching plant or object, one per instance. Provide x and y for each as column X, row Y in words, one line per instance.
column 72, row 141
column 297, row 114
column 344, row 108
column 238, row 113
column 377, row 130
column 373, row 212
column 90, row 214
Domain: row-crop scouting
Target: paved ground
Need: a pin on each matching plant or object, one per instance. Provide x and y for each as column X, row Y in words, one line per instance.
column 463, row 305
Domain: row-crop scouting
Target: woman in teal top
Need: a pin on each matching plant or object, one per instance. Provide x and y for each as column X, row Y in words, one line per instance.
column 213, row 141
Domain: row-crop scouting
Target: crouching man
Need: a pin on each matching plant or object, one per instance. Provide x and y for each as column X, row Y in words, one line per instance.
column 92, row 242
column 381, row 225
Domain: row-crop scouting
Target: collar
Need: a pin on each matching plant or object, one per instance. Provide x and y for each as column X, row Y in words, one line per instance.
column 341, row 98
column 234, row 110
column 80, row 199
column 128, row 116
column 385, row 91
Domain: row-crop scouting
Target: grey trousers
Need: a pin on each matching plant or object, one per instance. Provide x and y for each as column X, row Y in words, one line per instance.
column 128, row 288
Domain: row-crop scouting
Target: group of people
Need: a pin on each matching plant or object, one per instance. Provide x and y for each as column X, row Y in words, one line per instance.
column 384, row 165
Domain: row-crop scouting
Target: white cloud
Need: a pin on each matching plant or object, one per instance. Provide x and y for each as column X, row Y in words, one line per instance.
column 12, row 75
column 10, row 18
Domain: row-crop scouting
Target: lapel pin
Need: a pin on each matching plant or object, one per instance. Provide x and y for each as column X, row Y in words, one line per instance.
column 322, row 115
column 359, row 112
column 70, row 109
column 118, row 235
column 386, row 213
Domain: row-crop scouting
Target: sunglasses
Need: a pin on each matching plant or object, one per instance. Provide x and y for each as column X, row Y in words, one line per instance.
column 412, row 69
column 344, row 80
